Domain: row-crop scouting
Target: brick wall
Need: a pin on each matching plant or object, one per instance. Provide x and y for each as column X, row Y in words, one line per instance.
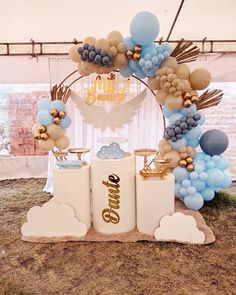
column 22, row 110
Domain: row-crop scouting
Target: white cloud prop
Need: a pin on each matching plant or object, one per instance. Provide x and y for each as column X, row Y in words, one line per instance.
column 53, row 220
column 179, row 228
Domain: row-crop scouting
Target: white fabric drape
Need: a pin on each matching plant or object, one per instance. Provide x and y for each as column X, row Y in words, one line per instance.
column 146, row 129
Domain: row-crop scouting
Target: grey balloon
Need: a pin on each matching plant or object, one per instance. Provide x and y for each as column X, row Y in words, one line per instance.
column 214, row 142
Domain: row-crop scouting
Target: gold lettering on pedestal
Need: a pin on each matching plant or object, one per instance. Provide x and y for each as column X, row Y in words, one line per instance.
column 110, row 214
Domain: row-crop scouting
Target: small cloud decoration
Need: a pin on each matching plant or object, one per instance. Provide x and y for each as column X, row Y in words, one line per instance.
column 53, row 220
column 112, row 151
column 179, row 228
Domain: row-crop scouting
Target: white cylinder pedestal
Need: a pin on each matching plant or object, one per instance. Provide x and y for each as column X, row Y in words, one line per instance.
column 155, row 198
column 72, row 187
column 113, row 194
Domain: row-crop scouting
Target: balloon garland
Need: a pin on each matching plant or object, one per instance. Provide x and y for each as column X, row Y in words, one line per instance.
column 198, row 174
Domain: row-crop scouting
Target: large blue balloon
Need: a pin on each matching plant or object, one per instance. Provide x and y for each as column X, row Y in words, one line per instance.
column 208, row 194
column 214, row 142
column 215, row 177
column 58, row 105
column 144, row 28
column 126, row 72
column 44, row 103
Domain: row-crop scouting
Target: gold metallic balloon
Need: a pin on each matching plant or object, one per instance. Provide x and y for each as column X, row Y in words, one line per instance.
column 129, row 54
column 187, row 95
column 194, row 98
column 62, row 114
column 182, row 163
column 37, row 135
column 189, row 160
column 187, row 103
column 42, row 129
column 44, row 136
column 136, row 56
column 54, row 113
column 137, row 49
column 190, row 167
column 56, row 120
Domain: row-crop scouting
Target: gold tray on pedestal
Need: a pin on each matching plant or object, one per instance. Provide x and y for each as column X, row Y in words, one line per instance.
column 79, row 151
column 160, row 163
column 60, row 155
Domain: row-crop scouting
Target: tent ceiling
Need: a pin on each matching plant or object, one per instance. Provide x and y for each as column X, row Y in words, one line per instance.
column 60, row 20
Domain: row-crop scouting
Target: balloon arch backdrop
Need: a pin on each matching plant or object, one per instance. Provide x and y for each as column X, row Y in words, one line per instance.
column 198, row 174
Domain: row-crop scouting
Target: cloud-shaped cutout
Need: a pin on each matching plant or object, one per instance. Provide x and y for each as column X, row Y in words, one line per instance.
column 53, row 220
column 179, row 228
column 112, row 151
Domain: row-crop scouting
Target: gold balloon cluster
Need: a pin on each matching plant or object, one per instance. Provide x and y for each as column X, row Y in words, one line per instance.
column 50, row 137
column 176, row 85
column 113, row 44
column 187, row 156
column 57, row 116
column 182, row 157
column 134, row 54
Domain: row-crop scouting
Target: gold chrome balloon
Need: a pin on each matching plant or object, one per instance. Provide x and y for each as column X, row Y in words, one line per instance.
column 136, row 56
column 187, row 103
column 37, row 136
column 54, row 113
column 56, row 121
column 62, row 114
column 44, row 136
column 190, row 167
column 42, row 128
column 182, row 163
column 189, row 160
column 129, row 54
column 137, row 49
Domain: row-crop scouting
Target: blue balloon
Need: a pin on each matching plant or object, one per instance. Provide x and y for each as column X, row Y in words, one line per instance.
column 194, row 202
column 44, row 103
column 65, row 122
column 174, row 117
column 179, row 143
column 140, row 74
column 199, row 156
column 188, row 111
column 126, row 72
column 210, row 164
column 183, row 191
column 215, row 177
column 223, row 163
column 166, row 112
column 177, row 192
column 44, row 117
column 194, row 133
column 134, row 65
column 180, row 174
column 199, row 185
column 214, row 142
column 227, row 181
column 129, row 43
column 191, row 190
column 208, row 194
column 58, row 105
column 186, row 183
column 193, row 175
column 203, row 176
column 193, row 142
column 144, row 28
column 200, row 165
column 203, row 118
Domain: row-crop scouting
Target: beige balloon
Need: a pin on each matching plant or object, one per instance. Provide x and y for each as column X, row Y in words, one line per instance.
column 173, row 102
column 170, row 62
column 35, row 128
column 200, row 78
column 153, row 84
column 113, row 50
column 102, row 44
column 82, row 71
column 62, row 143
column 90, row 40
column 174, row 158
column 182, row 71
column 121, row 47
column 54, row 131
column 191, row 151
column 120, row 61
column 115, row 37
column 161, row 96
column 187, row 85
column 74, row 54
column 47, row 145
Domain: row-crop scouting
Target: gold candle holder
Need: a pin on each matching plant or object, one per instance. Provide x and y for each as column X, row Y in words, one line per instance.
column 79, row 152
column 145, row 153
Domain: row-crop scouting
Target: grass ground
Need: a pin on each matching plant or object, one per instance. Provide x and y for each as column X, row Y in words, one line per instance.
column 141, row 268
